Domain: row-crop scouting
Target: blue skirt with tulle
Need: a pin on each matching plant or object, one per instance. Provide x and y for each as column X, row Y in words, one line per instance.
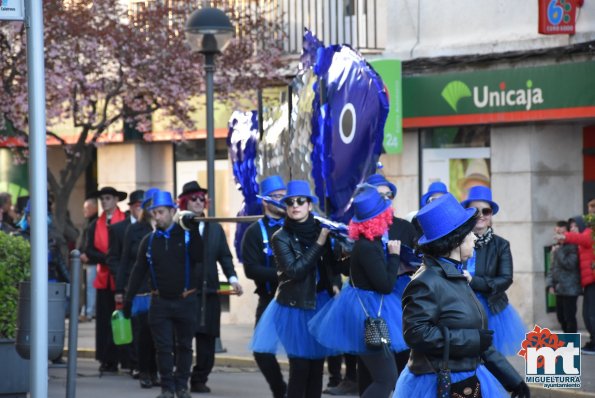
column 426, row 385
column 283, row 328
column 400, row 285
column 509, row 329
column 340, row 324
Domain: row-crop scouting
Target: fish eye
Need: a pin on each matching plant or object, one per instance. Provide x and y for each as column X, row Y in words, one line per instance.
column 347, row 122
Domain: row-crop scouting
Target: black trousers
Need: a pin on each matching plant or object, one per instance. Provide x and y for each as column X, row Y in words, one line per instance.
column 383, row 370
column 364, row 378
column 106, row 351
column 166, row 319
column 566, row 313
column 589, row 310
column 334, row 368
column 305, row 378
column 143, row 343
column 267, row 363
column 205, row 357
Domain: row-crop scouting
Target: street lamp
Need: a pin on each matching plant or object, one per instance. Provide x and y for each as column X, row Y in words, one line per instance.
column 209, row 31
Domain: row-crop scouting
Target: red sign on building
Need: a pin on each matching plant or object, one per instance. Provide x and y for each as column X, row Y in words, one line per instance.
column 557, row 17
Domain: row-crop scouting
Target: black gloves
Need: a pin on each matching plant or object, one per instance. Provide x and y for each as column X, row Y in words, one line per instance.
column 485, row 339
column 127, row 309
column 521, row 391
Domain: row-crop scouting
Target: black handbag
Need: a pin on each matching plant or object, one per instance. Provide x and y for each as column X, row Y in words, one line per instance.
column 466, row 388
column 376, row 334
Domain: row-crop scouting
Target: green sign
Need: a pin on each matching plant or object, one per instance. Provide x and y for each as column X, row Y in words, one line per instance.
column 390, row 72
column 561, row 91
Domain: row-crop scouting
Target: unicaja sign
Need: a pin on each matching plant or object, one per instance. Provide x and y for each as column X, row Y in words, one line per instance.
column 552, row 359
column 485, row 97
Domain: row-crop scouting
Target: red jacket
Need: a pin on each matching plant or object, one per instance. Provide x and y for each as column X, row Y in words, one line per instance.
column 586, row 256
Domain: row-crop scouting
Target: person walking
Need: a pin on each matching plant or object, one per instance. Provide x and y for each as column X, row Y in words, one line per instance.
column 195, row 199
column 489, row 272
column 443, row 322
column 96, row 251
column 582, row 236
column 259, row 265
column 169, row 256
column 308, row 276
column 373, row 272
column 146, row 354
column 564, row 280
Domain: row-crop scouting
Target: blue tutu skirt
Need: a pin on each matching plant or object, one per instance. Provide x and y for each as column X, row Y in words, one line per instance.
column 509, row 329
column 426, row 385
column 400, row 285
column 340, row 324
column 283, row 328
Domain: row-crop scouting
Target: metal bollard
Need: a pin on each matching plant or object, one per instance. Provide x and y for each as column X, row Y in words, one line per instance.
column 75, row 271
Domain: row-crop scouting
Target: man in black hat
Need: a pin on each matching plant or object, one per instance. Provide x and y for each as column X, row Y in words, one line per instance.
column 116, row 233
column 194, row 198
column 96, row 251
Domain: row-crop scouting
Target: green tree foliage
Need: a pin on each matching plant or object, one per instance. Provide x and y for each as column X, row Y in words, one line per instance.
column 15, row 256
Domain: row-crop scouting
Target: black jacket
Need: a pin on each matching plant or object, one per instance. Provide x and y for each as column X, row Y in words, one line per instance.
column 564, row 275
column 116, row 240
column 404, row 231
column 371, row 269
column 255, row 259
column 297, row 268
column 132, row 237
column 169, row 264
column 217, row 251
column 438, row 295
column 94, row 255
column 493, row 272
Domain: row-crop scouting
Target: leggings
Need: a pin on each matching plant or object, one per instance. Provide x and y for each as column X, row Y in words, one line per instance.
column 383, row 370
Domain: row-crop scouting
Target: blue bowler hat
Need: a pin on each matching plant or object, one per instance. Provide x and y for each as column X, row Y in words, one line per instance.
column 148, row 196
column 435, row 187
column 379, row 180
column 483, row 194
column 162, row 198
column 368, row 204
column 442, row 216
column 299, row 188
column 271, row 184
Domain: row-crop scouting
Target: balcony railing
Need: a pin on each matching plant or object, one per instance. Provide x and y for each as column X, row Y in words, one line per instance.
column 359, row 23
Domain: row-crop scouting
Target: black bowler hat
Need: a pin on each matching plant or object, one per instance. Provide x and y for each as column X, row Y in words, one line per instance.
column 136, row 196
column 191, row 187
column 110, row 191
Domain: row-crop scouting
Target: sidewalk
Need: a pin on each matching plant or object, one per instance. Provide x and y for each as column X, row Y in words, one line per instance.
column 235, row 340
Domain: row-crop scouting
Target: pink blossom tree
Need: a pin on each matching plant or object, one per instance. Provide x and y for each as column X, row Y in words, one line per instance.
column 106, row 65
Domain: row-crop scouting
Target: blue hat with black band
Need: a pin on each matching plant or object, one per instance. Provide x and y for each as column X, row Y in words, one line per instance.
column 479, row 193
column 368, row 204
column 271, row 184
column 148, row 196
column 162, row 199
column 435, row 187
column 299, row 188
column 442, row 216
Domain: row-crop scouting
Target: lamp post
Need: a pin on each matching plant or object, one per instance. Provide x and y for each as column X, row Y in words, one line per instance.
column 208, row 31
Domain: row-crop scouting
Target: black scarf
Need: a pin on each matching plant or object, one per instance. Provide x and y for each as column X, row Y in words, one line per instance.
column 484, row 239
column 307, row 232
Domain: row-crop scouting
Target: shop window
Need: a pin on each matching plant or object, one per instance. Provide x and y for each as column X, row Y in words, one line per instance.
column 457, row 156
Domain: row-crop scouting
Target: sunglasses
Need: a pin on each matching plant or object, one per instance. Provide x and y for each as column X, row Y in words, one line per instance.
column 486, row 211
column 387, row 195
column 194, row 198
column 294, row 201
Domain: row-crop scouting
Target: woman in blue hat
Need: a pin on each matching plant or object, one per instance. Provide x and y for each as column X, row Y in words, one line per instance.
column 373, row 272
column 308, row 275
column 489, row 271
column 443, row 322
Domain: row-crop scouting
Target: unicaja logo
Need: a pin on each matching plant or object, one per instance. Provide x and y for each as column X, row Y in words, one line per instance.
column 552, row 359
column 484, row 97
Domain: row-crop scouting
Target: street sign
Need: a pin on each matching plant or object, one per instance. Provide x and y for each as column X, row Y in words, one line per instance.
column 12, row 10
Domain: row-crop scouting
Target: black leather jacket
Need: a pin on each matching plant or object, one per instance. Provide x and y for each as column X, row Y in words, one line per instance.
column 493, row 273
column 438, row 295
column 296, row 270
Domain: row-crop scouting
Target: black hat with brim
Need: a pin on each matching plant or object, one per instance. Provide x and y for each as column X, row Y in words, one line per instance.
column 110, row 191
column 136, row 196
column 191, row 187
